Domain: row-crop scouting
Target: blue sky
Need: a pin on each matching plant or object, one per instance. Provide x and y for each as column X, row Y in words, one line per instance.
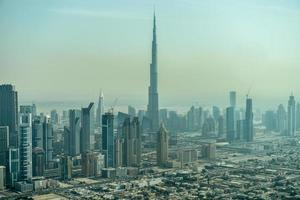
column 69, row 49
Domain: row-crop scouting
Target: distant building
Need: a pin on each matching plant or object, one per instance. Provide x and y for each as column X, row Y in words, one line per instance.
column 48, row 141
column 230, row 124
column 132, row 142
column 66, row 166
column 209, row 151
column 131, row 111
column 4, row 145
column 221, row 126
column 100, row 110
column 232, row 98
column 162, row 146
column 298, row 117
column 25, row 147
column 291, row 119
column 37, row 133
column 187, row 156
column 87, row 128
column 249, row 131
column 240, row 129
column 2, row 177
column 91, row 164
column 72, row 134
column 14, row 166
column 38, row 161
column 108, row 139
column 9, row 112
column 54, row 117
column 281, row 119
column 191, row 119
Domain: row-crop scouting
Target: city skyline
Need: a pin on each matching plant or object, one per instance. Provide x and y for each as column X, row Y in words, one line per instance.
column 217, row 51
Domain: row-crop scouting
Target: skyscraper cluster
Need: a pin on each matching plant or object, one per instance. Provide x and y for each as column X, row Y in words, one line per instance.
column 285, row 120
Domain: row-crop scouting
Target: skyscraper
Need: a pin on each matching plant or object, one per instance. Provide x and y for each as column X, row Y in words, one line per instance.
column 108, row 139
column 100, row 110
column 162, row 146
column 87, row 128
column 38, row 161
column 281, row 119
column 25, row 147
column 153, row 111
column 249, row 132
column 4, row 144
column 291, row 120
column 37, row 133
column 48, row 141
column 131, row 111
column 4, row 149
column 230, row 124
column 72, row 134
column 232, row 98
column 9, row 112
column 132, row 142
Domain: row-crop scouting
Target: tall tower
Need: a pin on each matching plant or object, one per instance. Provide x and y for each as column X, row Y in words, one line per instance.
column 87, row 128
column 249, row 132
column 153, row 111
column 162, row 146
column 100, row 110
column 9, row 112
column 291, row 120
column 108, row 139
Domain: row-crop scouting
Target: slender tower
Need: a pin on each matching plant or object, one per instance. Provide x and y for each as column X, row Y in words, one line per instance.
column 153, row 94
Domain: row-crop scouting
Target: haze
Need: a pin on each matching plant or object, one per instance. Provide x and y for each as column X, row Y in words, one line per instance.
column 69, row 50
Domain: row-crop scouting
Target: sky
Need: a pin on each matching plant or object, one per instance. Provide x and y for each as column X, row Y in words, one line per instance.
column 68, row 50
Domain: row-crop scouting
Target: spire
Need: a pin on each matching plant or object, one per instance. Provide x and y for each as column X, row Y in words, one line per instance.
column 154, row 28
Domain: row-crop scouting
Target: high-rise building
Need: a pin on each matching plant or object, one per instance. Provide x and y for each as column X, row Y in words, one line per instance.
column 4, row 144
column 54, row 117
column 249, row 131
column 291, row 119
column 9, row 112
column 132, row 142
column 209, row 151
column 281, row 119
column 38, row 161
column 298, row 117
column 100, row 110
column 191, row 119
column 4, row 149
column 2, row 177
column 230, row 124
column 37, row 133
column 162, row 146
column 90, row 164
column 48, row 141
column 108, row 139
column 87, row 128
column 26, row 109
column 240, row 129
column 232, row 98
column 72, row 134
column 131, row 111
column 220, row 126
column 66, row 166
column 153, row 110
column 14, row 166
column 25, row 147
column 216, row 112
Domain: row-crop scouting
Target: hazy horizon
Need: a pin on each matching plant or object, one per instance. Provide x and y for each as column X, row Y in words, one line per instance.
column 69, row 50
